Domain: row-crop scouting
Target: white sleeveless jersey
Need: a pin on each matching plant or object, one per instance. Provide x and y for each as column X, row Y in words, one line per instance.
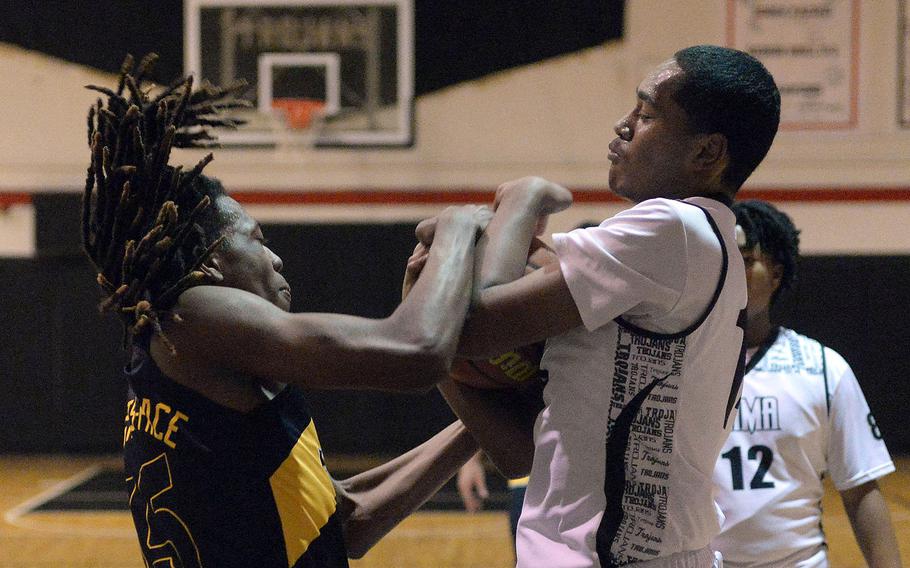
column 639, row 400
column 802, row 416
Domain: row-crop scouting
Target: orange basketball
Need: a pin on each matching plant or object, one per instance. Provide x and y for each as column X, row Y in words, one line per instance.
column 508, row 370
column 514, row 368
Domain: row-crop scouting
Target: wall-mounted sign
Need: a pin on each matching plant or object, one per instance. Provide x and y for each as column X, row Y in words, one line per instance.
column 903, row 57
column 812, row 49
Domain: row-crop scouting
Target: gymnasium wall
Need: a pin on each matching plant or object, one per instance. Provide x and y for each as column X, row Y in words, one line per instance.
column 849, row 191
column 63, row 390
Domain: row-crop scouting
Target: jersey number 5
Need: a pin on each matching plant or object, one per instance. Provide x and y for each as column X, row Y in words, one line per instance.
column 736, row 466
column 165, row 538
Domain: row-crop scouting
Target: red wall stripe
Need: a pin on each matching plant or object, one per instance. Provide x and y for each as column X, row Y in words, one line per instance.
column 584, row 195
column 14, row 198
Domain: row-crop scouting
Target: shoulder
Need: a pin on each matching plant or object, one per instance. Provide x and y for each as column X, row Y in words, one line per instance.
column 810, row 345
column 658, row 210
column 700, row 222
column 651, row 228
column 799, row 352
column 681, row 210
column 660, row 222
column 837, row 369
column 209, row 330
column 201, row 296
column 812, row 354
column 220, row 302
column 210, row 317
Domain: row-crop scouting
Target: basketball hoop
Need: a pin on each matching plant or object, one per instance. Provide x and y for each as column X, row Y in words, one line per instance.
column 296, row 123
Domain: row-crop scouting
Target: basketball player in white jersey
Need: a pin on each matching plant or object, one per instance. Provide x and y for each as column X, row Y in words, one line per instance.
column 641, row 319
column 802, row 417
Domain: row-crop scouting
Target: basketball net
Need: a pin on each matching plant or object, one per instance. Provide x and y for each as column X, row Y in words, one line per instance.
column 297, row 122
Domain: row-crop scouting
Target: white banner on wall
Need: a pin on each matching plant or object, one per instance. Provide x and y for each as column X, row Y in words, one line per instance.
column 812, row 49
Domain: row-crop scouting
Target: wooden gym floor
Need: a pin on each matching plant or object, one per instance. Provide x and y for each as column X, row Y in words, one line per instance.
column 32, row 539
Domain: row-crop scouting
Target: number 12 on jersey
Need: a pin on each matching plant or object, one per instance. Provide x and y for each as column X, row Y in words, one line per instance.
column 736, row 466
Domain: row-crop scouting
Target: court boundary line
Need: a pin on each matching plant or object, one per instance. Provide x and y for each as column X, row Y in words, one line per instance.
column 16, row 516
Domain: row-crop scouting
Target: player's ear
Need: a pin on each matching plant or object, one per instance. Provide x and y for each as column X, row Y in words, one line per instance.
column 711, row 152
column 213, row 268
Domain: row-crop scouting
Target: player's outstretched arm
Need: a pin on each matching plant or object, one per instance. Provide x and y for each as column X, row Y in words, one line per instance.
column 871, row 524
column 226, row 332
column 375, row 501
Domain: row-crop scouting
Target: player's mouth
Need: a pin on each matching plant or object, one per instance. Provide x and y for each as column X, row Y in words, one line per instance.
column 614, row 154
column 286, row 292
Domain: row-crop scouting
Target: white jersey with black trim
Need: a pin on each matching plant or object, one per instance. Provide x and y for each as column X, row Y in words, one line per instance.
column 802, row 416
column 639, row 399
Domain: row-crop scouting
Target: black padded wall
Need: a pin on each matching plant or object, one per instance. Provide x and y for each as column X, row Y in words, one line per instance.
column 60, row 361
column 859, row 306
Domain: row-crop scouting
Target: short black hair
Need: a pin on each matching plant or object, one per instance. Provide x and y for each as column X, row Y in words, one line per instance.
column 774, row 232
column 728, row 91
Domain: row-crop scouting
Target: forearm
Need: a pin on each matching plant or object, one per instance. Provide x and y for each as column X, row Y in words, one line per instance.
column 377, row 500
column 433, row 312
column 502, row 250
column 871, row 524
column 502, row 422
column 509, row 306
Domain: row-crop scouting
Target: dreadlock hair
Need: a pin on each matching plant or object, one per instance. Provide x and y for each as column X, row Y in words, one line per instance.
column 146, row 226
column 773, row 231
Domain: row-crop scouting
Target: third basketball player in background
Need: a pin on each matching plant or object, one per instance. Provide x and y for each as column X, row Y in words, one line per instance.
column 802, row 416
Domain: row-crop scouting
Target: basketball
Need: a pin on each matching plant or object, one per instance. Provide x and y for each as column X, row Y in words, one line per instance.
column 508, row 370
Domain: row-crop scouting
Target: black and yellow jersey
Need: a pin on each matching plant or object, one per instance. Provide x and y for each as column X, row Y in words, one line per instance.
column 210, row 486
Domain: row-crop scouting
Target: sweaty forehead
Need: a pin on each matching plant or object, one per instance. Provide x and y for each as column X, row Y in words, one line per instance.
column 234, row 216
column 659, row 82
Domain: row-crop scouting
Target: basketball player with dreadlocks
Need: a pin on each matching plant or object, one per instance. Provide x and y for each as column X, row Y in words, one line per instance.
column 802, row 416
column 223, row 464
